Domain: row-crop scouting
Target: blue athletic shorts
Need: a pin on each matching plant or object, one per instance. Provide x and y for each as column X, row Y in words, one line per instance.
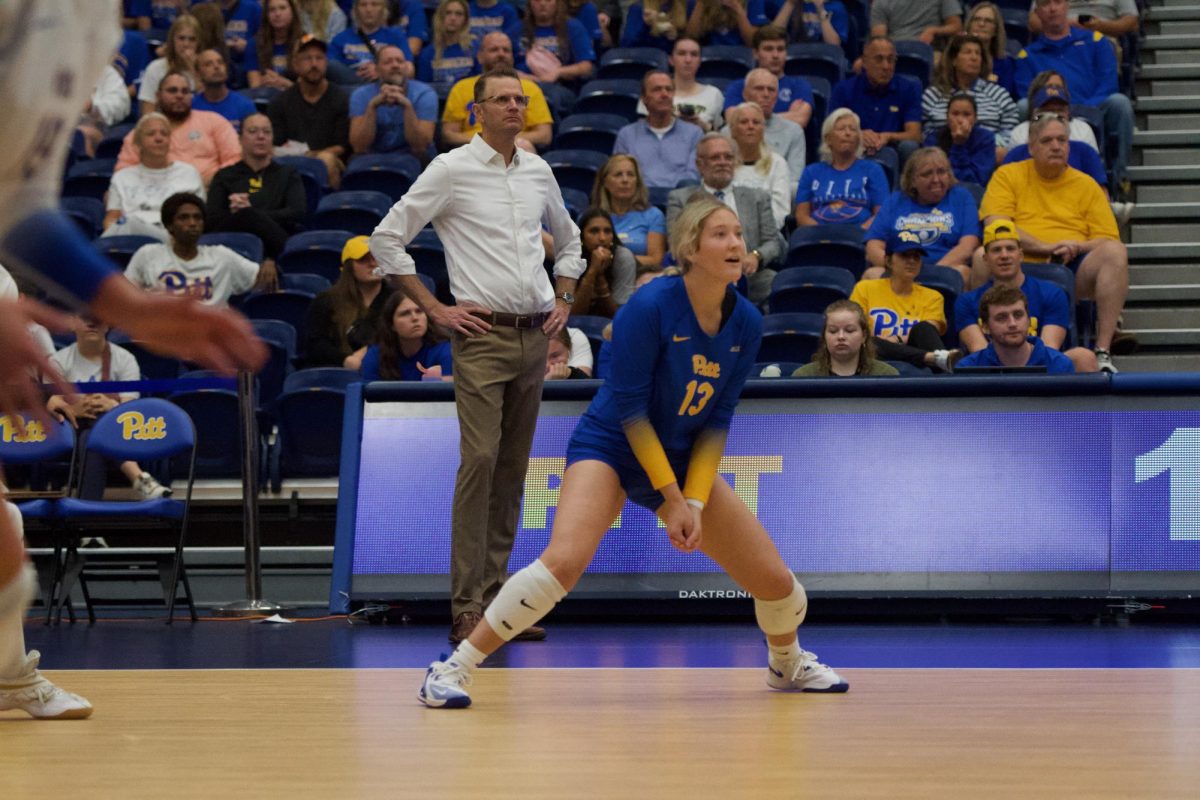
column 633, row 478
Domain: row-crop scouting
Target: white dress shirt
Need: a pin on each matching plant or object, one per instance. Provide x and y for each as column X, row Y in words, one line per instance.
column 725, row 195
column 489, row 219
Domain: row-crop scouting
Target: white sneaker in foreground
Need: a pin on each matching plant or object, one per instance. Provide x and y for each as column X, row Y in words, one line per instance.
column 40, row 698
column 805, row 675
column 445, row 685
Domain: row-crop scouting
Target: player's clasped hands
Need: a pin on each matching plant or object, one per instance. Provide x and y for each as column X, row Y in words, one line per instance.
column 683, row 524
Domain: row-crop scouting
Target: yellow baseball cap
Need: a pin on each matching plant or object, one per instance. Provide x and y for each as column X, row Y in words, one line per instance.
column 356, row 248
column 1000, row 229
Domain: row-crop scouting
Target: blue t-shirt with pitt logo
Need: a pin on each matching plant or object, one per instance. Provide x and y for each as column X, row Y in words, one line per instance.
column 667, row 370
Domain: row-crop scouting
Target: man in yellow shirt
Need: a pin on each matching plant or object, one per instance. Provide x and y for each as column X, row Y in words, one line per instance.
column 1062, row 215
column 459, row 124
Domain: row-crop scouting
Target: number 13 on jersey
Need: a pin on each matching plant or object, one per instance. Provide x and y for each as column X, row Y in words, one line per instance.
column 698, row 395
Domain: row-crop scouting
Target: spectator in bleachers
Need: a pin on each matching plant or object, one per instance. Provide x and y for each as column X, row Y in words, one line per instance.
column 1056, row 99
column 258, row 195
column 1086, row 61
column 1004, row 311
column 558, row 354
column 405, row 347
column 971, row 149
column 179, row 56
column 342, row 320
column 409, row 16
column 358, row 45
column 620, row 190
column 1062, row 215
column 607, row 282
column 726, row 21
column 888, row 105
column 203, row 139
column 1055, row 102
column 551, row 45
column 108, row 105
column 241, row 19
column 814, row 21
column 1113, row 18
column 846, row 348
column 451, row 57
column 794, row 97
column 663, row 145
column 655, row 23
column 716, row 159
column 784, row 136
column 459, row 121
column 91, row 359
column 393, row 114
column 211, row 23
column 488, row 16
column 986, row 23
column 594, row 21
column 322, row 18
column 313, row 117
column 135, row 196
column 756, row 166
column 907, row 319
column 695, row 102
column 210, row 273
column 215, row 96
column 163, row 13
column 268, row 56
column 963, row 68
column 1047, row 305
column 843, row 187
column 925, row 21
column 131, row 61
column 930, row 204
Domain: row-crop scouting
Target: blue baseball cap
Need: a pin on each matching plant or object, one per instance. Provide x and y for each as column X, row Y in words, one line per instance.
column 905, row 242
column 1049, row 94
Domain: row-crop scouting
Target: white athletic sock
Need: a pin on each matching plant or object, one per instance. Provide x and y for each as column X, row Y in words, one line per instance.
column 12, row 622
column 784, row 652
column 468, row 656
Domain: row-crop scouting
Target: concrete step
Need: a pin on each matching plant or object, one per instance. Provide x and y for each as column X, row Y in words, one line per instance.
column 1188, row 253
column 1172, row 12
column 1188, row 174
column 1170, row 122
column 1183, row 102
column 1163, row 293
column 1147, row 211
column 1183, row 87
column 1162, row 318
column 1158, row 362
column 1165, row 193
column 1175, row 26
column 1166, row 337
column 1171, row 57
column 1168, row 72
column 1169, row 41
column 1166, row 233
column 1170, row 138
column 1173, row 157
column 1164, row 274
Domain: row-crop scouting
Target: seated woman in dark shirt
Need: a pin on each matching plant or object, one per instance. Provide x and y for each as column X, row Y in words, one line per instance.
column 342, row 319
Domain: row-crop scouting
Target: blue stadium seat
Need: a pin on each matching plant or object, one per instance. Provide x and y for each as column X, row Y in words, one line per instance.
column 308, row 283
column 246, row 245
column 809, row 289
column 907, row 370
column 389, row 173
column 318, row 252
column 821, row 90
column 790, row 337
column 889, row 159
column 313, row 175
column 609, row 97
column 320, row 378
column 949, row 283
column 816, row 59
column 576, row 201
column 152, row 365
column 1016, row 24
column 114, row 139
column 261, row 96
column 915, row 59
column 725, row 61
column 359, row 212
column 575, row 169
column 215, row 413
column 630, row 63
column 280, row 339
column 309, row 426
column 828, row 246
column 659, row 197
column 975, row 189
column 89, row 178
column 427, row 251
column 289, row 306
column 589, row 132
column 88, row 213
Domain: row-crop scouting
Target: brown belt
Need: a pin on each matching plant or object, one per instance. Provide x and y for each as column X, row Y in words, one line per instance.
column 513, row 320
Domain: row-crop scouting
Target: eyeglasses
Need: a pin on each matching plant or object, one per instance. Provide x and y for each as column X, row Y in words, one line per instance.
column 506, row 99
column 1041, row 115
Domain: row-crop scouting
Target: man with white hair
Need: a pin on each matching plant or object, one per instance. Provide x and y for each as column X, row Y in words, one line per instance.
column 782, row 135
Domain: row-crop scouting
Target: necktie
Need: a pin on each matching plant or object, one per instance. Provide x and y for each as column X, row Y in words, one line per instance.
column 720, row 196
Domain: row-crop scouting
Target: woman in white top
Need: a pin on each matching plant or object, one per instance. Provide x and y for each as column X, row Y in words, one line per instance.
column 697, row 103
column 759, row 167
column 179, row 53
column 136, row 195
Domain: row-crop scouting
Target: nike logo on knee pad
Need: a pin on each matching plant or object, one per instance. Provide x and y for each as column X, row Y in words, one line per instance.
column 531, row 608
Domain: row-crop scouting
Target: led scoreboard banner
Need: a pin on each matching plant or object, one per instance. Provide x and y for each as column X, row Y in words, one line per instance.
column 988, row 486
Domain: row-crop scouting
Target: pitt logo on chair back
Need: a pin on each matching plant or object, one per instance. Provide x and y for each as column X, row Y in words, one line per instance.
column 135, row 426
column 18, row 430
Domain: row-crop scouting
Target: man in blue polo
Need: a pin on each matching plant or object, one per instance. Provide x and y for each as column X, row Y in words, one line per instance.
column 1085, row 58
column 888, row 105
column 358, row 46
column 394, row 114
column 1004, row 311
column 795, row 99
column 664, row 146
column 1048, row 308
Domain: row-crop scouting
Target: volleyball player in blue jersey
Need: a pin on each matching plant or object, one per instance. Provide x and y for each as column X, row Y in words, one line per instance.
column 683, row 348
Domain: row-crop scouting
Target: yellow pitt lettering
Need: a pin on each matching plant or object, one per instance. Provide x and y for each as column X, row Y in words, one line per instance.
column 136, row 427
column 705, row 368
column 19, row 430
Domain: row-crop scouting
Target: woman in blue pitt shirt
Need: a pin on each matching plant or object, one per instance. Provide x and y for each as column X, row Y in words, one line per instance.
column 843, row 187
column 405, row 348
column 620, row 190
column 451, row 56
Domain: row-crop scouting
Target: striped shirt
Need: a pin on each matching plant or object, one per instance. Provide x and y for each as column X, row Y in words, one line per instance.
column 995, row 109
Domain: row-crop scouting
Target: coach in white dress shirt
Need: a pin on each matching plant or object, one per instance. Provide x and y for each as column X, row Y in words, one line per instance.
column 487, row 201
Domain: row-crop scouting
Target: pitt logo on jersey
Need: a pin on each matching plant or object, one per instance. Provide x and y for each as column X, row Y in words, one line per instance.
column 135, row 427
column 19, row 430
column 705, row 368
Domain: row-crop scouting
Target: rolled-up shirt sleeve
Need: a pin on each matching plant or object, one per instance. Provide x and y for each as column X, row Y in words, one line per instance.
column 432, row 192
column 568, row 252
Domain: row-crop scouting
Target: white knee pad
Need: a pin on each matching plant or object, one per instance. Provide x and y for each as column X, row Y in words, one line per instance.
column 780, row 617
column 525, row 598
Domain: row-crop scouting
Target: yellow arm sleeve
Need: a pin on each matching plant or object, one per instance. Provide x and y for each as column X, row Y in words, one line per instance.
column 649, row 452
column 702, row 467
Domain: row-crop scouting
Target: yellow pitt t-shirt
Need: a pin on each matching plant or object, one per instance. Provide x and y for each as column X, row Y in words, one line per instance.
column 460, row 105
column 1072, row 206
column 895, row 315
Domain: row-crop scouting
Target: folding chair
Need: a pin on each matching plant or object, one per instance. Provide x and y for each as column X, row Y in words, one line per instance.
column 790, row 337
column 630, row 63
column 610, row 97
column 317, row 252
column 358, row 212
column 389, row 173
column 575, row 169
column 828, row 246
column 589, row 132
column 725, row 61
column 809, row 289
column 816, row 59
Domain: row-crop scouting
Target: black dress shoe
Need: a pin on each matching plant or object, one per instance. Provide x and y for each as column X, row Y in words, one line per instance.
column 464, row 623
column 531, row 634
